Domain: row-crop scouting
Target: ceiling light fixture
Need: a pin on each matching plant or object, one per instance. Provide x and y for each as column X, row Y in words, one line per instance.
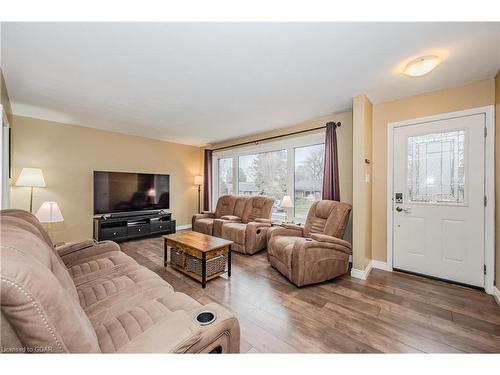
column 421, row 66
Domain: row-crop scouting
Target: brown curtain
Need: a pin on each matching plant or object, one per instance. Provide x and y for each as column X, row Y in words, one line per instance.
column 207, row 180
column 331, row 186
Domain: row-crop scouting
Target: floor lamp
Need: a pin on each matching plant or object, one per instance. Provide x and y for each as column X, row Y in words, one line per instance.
column 198, row 181
column 31, row 177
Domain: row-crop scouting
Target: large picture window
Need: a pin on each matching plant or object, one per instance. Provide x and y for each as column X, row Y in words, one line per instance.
column 264, row 173
column 225, row 176
column 309, row 163
column 288, row 167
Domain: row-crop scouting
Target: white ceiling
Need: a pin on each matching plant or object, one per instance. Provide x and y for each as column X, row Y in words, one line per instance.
column 202, row 83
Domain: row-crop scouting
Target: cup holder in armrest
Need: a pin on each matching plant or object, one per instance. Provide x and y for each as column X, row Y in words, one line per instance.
column 205, row 318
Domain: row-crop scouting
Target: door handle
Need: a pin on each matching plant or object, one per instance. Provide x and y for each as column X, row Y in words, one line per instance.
column 401, row 209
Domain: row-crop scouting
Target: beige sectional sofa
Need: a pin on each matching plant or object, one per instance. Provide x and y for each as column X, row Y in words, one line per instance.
column 91, row 297
column 241, row 219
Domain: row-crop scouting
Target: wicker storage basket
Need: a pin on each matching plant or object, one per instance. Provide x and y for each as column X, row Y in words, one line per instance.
column 177, row 257
column 214, row 265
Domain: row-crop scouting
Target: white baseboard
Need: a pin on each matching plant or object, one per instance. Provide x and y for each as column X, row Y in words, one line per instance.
column 496, row 294
column 183, row 227
column 378, row 264
column 363, row 274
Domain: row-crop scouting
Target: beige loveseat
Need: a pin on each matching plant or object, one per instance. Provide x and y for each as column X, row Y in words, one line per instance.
column 316, row 251
column 90, row 297
column 241, row 219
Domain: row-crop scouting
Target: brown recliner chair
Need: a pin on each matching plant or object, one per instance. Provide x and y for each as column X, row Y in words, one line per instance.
column 315, row 252
column 241, row 219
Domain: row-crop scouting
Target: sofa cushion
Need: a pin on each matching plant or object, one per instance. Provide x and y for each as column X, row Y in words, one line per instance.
column 38, row 300
column 31, row 219
column 240, row 205
column 16, row 238
column 139, row 318
column 234, row 232
column 327, row 217
column 91, row 268
column 204, row 225
column 20, row 221
column 258, row 207
column 108, row 289
column 225, row 206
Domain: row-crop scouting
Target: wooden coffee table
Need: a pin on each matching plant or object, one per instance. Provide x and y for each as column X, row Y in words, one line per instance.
column 200, row 246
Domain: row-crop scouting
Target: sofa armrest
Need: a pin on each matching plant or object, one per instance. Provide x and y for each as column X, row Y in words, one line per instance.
column 264, row 221
column 231, row 218
column 176, row 333
column 224, row 332
column 203, row 215
column 332, row 242
column 71, row 247
column 256, row 236
column 282, row 231
column 73, row 254
column 293, row 226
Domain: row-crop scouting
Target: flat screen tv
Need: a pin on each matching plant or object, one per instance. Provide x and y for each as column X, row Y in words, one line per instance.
column 123, row 192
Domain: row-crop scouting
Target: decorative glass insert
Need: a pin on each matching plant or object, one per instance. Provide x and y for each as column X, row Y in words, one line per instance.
column 436, row 167
column 225, row 176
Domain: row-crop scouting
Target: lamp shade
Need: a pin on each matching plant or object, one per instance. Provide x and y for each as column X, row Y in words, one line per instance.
column 286, row 202
column 198, row 180
column 49, row 212
column 32, row 177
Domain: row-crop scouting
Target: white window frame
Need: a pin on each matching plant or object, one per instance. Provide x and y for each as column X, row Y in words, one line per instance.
column 288, row 144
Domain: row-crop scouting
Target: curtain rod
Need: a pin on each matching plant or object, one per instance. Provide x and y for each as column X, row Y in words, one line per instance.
column 275, row 137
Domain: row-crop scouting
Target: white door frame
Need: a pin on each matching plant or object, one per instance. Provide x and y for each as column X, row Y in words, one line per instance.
column 489, row 184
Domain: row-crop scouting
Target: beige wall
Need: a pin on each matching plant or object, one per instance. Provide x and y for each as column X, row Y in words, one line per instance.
column 473, row 95
column 362, row 189
column 344, row 142
column 497, row 180
column 68, row 154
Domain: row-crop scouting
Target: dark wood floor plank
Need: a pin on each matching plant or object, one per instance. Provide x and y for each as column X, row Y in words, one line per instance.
column 352, row 328
column 477, row 309
column 389, row 312
column 446, row 327
column 373, row 324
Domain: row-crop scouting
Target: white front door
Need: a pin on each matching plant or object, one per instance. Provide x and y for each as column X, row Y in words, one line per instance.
column 438, row 199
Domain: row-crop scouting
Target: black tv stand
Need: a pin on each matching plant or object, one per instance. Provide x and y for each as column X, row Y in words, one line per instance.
column 132, row 225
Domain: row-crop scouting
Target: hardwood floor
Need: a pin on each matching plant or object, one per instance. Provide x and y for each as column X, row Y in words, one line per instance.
column 390, row 312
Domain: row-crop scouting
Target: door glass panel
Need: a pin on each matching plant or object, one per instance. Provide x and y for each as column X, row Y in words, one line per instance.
column 436, row 167
column 309, row 162
column 225, row 172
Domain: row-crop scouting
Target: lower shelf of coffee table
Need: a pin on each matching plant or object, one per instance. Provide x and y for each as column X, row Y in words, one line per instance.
column 195, row 275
